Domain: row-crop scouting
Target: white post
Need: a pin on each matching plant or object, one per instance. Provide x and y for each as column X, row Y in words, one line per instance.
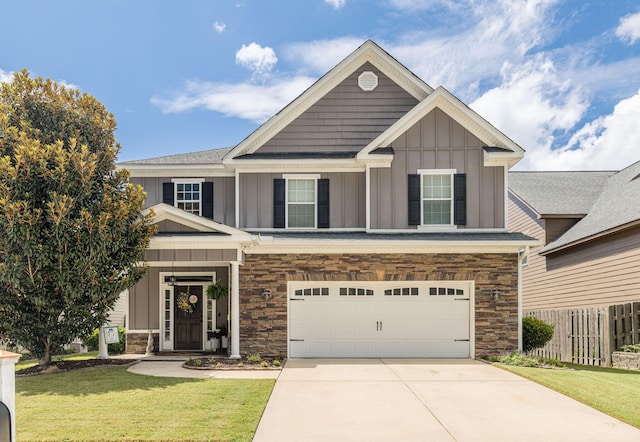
column 235, row 311
column 8, row 385
column 103, row 352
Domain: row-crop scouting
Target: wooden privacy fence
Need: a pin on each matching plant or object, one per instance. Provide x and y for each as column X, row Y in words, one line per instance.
column 589, row 335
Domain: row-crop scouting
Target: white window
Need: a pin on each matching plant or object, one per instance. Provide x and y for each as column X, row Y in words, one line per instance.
column 301, row 202
column 188, row 195
column 437, row 197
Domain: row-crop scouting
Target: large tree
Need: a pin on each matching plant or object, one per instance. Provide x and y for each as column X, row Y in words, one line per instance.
column 72, row 233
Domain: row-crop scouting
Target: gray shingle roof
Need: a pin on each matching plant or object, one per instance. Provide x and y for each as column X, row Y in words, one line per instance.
column 211, row 156
column 618, row 204
column 558, row 193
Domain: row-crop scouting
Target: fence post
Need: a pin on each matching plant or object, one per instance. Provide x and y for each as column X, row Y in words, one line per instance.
column 8, row 385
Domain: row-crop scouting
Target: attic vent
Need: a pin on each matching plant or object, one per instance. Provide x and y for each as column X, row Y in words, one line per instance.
column 368, row 81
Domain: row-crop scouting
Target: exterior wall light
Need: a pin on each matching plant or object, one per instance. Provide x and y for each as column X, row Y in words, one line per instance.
column 497, row 294
column 266, row 294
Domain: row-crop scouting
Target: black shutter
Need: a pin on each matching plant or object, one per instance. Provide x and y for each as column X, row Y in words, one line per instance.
column 460, row 199
column 323, row 204
column 207, row 199
column 278, row 203
column 167, row 193
column 414, row 200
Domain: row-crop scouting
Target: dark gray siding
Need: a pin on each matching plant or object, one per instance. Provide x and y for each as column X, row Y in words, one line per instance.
column 345, row 119
column 347, row 205
column 223, row 195
column 437, row 142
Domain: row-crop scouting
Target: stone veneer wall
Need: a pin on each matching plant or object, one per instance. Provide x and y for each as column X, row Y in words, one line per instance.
column 137, row 342
column 263, row 325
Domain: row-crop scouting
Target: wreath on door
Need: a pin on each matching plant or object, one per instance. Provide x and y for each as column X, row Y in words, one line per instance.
column 186, row 301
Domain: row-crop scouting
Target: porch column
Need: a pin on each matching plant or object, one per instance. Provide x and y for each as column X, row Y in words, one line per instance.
column 8, row 362
column 235, row 311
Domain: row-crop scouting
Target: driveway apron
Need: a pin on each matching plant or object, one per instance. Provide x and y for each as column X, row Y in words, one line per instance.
column 424, row 400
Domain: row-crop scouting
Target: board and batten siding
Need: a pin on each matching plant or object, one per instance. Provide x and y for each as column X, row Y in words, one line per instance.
column 598, row 273
column 346, row 119
column 144, row 297
column 223, row 195
column 347, row 193
column 437, row 142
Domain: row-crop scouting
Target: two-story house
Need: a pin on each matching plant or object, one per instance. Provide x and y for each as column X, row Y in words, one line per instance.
column 368, row 218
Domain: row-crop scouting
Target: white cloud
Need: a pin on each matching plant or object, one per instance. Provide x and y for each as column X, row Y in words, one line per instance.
column 337, row 4
column 319, row 56
column 259, row 60
column 6, row 77
column 610, row 142
column 532, row 104
column 219, row 27
column 629, row 28
column 243, row 100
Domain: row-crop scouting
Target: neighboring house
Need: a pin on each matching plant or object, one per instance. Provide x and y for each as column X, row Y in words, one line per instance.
column 368, row 218
column 589, row 224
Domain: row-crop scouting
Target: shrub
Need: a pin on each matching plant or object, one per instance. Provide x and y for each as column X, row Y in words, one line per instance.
column 91, row 341
column 254, row 358
column 631, row 348
column 520, row 360
column 535, row 333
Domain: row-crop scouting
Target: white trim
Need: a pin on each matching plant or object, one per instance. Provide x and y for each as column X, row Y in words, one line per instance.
column 367, row 202
column 164, row 345
column 505, row 171
column 188, row 180
column 430, row 172
column 368, row 52
column 328, row 230
column 234, row 308
column 520, row 302
column 271, row 245
column 146, row 330
column 301, row 176
column 164, row 212
column 237, row 198
column 196, row 242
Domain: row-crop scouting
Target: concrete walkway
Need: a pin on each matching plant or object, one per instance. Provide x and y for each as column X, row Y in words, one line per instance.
column 171, row 367
column 424, row 400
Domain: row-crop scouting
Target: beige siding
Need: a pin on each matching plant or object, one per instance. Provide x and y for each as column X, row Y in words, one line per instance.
column 347, row 199
column 437, row 142
column 213, row 255
column 223, row 195
column 345, row 119
column 144, row 297
column 168, row 226
column 600, row 272
column 556, row 227
column 118, row 315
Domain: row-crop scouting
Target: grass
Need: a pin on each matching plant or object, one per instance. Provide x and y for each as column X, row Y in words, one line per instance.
column 612, row 391
column 113, row 404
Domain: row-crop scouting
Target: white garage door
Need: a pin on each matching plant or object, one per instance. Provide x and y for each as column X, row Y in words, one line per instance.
column 377, row 320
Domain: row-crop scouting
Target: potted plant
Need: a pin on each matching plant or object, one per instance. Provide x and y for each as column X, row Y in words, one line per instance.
column 214, row 339
column 224, row 337
column 217, row 290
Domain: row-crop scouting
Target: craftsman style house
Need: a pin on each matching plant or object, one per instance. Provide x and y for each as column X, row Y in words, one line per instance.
column 368, row 218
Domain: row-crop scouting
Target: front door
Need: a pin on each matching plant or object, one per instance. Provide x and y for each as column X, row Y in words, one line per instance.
column 188, row 317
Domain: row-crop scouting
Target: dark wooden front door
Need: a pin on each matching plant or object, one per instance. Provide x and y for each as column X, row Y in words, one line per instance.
column 188, row 326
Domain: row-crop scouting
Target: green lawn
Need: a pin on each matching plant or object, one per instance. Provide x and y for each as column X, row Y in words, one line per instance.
column 70, row 357
column 612, row 391
column 113, row 404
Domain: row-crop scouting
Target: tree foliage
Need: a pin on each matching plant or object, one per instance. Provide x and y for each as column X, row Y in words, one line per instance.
column 535, row 333
column 72, row 233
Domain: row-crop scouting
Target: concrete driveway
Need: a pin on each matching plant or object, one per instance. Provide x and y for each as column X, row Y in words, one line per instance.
column 424, row 400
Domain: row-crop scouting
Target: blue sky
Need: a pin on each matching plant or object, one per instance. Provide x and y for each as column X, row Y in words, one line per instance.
column 560, row 77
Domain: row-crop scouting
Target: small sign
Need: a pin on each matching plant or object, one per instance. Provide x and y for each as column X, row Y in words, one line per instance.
column 111, row 335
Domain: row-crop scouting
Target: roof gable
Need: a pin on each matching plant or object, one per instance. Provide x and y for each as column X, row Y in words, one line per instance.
column 165, row 212
column 369, row 52
column 465, row 116
column 617, row 207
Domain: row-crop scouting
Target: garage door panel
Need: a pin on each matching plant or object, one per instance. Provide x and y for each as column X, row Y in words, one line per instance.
column 379, row 325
